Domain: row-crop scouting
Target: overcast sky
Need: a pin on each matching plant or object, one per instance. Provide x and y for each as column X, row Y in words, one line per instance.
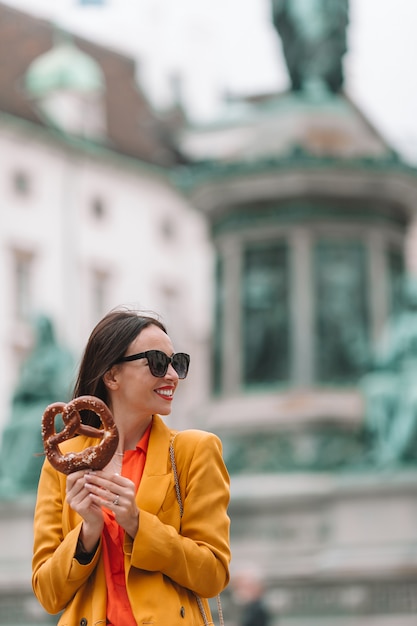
column 219, row 46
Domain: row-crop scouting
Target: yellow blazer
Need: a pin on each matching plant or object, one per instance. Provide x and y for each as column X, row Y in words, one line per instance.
column 169, row 560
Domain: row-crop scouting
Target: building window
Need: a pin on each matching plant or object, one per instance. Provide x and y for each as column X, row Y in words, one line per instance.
column 170, row 305
column 168, row 228
column 23, row 267
column 99, row 293
column 342, row 317
column 21, row 183
column 265, row 314
column 302, row 307
column 98, row 208
column 396, row 272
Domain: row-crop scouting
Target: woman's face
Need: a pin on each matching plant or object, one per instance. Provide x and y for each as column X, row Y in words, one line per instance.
column 137, row 390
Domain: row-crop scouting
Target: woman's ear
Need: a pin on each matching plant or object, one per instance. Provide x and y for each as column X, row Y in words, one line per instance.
column 110, row 379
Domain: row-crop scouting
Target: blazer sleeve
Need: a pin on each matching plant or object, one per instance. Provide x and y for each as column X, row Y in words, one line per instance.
column 56, row 574
column 197, row 555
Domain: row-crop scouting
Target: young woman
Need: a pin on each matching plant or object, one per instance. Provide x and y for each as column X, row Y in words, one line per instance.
column 113, row 546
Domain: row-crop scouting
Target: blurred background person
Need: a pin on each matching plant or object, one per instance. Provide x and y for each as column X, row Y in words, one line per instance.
column 248, row 593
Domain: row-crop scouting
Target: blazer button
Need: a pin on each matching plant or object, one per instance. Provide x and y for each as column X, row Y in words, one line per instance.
column 182, row 612
column 83, row 621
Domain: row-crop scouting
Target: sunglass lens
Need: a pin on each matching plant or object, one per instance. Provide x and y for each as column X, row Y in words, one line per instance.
column 158, row 363
column 180, row 363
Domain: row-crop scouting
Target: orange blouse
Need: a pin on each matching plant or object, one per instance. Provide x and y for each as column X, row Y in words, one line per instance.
column 119, row 612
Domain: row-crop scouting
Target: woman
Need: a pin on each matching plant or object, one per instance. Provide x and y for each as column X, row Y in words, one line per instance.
column 111, row 546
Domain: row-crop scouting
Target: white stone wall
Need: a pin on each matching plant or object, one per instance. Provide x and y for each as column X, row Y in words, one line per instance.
column 171, row 275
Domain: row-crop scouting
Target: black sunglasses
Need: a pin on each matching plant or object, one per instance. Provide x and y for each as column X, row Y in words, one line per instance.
column 158, row 362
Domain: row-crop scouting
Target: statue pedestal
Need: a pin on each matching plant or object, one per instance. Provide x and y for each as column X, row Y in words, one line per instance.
column 335, row 549
column 18, row 605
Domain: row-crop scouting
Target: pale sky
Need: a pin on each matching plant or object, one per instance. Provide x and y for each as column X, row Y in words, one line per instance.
column 230, row 45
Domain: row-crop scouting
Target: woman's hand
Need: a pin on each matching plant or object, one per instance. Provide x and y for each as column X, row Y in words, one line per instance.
column 80, row 500
column 117, row 494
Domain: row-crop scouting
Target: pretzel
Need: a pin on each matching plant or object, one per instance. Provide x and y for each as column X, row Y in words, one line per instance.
column 94, row 457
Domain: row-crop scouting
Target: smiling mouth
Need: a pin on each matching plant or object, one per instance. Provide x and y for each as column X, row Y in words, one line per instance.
column 165, row 393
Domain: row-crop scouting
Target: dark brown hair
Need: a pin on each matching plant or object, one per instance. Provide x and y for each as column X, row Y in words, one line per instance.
column 107, row 343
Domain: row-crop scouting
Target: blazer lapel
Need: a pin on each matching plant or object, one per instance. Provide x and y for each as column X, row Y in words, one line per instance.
column 157, row 474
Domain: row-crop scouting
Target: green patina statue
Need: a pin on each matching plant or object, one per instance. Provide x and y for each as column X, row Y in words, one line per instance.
column 390, row 389
column 46, row 376
column 313, row 35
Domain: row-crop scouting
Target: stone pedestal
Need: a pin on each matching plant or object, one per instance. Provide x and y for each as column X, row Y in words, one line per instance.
column 335, row 549
column 18, row 605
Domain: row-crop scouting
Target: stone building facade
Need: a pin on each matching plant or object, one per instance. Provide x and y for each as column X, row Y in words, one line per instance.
column 90, row 219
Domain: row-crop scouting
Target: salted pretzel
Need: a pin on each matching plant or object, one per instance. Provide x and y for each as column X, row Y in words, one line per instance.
column 94, row 457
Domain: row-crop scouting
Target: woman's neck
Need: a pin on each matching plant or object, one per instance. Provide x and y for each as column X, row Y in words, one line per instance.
column 131, row 433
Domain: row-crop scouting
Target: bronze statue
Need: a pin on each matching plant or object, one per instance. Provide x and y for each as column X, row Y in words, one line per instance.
column 313, row 35
column 390, row 389
column 46, row 376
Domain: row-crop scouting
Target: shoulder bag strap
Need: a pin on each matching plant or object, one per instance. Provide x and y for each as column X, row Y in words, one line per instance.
column 180, row 504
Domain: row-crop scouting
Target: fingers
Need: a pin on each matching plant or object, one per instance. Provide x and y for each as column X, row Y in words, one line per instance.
column 108, row 491
column 75, row 487
column 73, row 478
column 79, row 499
column 111, row 482
column 116, row 493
